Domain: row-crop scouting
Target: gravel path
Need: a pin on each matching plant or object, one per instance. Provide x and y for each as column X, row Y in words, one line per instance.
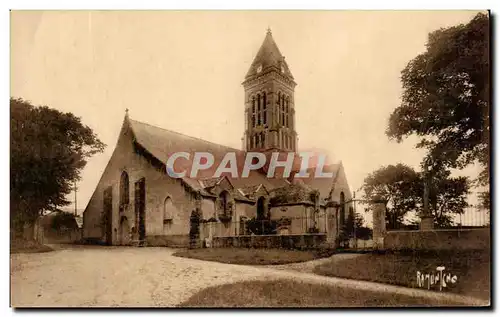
column 146, row 277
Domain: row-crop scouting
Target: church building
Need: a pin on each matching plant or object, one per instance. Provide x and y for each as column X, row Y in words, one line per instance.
column 136, row 202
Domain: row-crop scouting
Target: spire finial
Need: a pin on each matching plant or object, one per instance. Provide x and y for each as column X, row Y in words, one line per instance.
column 126, row 112
column 269, row 30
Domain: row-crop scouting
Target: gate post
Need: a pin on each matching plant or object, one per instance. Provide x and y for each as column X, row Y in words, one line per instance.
column 378, row 224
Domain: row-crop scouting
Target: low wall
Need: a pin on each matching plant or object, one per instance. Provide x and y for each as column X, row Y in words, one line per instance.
column 58, row 237
column 471, row 239
column 179, row 240
column 302, row 241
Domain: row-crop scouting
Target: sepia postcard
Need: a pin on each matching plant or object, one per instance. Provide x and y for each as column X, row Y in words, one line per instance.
column 269, row 159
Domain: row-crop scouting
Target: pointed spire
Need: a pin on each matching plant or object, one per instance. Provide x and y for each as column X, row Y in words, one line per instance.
column 126, row 113
column 269, row 55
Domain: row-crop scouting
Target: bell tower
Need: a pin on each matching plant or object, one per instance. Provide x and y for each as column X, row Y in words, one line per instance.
column 269, row 102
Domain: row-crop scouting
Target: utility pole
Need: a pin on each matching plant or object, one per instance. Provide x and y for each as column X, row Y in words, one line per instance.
column 75, row 198
column 354, row 220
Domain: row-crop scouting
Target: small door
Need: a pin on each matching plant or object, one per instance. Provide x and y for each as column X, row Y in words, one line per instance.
column 124, row 231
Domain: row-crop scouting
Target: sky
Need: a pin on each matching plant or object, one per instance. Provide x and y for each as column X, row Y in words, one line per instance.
column 182, row 70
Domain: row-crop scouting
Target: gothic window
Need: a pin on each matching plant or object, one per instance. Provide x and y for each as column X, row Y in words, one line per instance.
column 124, row 189
column 253, row 120
column 168, row 210
column 282, row 113
column 253, row 105
column 264, row 110
column 287, row 113
column 224, row 203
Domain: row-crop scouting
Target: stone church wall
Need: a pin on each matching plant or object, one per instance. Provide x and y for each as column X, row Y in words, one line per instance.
column 341, row 185
column 158, row 187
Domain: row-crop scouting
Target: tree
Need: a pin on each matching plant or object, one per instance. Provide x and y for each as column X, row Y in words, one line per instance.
column 397, row 185
column 48, row 149
column 64, row 220
column 446, row 99
column 402, row 189
column 447, row 196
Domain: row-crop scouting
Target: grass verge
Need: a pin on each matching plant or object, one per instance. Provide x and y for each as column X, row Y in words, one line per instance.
column 19, row 245
column 472, row 269
column 289, row 293
column 252, row 256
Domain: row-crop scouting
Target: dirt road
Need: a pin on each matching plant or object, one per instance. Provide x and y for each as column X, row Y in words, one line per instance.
column 138, row 277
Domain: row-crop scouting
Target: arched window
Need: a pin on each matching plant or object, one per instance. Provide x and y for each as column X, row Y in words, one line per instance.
column 168, row 209
column 258, row 102
column 264, row 110
column 124, row 189
column 253, row 120
column 224, row 201
column 283, row 114
column 287, row 112
column 253, row 105
column 261, row 210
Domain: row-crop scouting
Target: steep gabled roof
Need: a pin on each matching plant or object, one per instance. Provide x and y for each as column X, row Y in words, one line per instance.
column 268, row 56
column 162, row 143
column 323, row 185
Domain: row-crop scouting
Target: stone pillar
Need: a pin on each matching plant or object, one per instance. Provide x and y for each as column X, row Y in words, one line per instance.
column 426, row 223
column 378, row 225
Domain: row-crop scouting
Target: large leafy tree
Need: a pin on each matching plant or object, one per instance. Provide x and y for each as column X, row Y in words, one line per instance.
column 447, row 196
column 398, row 186
column 48, row 149
column 446, row 99
column 401, row 187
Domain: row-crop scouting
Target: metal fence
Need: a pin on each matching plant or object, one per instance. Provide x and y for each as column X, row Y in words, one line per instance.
column 472, row 217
